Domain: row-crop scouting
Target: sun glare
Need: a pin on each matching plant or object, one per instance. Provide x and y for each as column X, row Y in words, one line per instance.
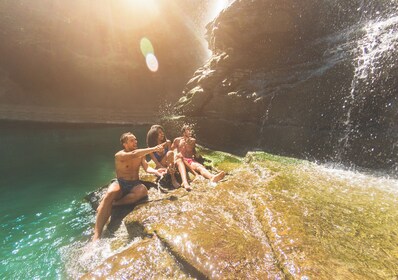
column 217, row 7
column 143, row 6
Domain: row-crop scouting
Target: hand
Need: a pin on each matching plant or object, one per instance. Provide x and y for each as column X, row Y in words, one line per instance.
column 161, row 172
column 159, row 148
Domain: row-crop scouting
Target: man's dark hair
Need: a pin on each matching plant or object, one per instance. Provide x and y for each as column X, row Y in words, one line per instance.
column 185, row 127
column 124, row 137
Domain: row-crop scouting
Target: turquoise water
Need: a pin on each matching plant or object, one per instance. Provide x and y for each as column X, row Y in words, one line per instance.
column 45, row 171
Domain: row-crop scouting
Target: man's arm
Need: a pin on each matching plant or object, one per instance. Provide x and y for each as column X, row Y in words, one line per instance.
column 175, row 144
column 141, row 152
column 194, row 147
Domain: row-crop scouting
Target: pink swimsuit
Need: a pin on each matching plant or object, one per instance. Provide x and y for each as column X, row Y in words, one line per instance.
column 189, row 160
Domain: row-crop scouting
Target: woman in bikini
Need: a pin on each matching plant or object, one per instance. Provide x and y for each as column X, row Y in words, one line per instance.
column 164, row 159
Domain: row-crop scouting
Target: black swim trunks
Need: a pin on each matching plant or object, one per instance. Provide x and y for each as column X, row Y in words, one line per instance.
column 126, row 186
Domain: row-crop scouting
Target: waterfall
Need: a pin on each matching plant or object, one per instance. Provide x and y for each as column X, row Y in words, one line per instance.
column 373, row 58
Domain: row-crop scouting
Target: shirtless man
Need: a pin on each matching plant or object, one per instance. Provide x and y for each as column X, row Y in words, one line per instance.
column 186, row 153
column 127, row 189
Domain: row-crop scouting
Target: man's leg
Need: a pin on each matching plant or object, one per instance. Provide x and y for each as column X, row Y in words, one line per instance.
column 206, row 173
column 181, row 167
column 104, row 210
column 138, row 192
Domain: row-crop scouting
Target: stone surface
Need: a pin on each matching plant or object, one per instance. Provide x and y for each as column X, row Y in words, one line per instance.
column 272, row 218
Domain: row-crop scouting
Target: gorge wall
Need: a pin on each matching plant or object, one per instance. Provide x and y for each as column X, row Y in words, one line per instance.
column 316, row 79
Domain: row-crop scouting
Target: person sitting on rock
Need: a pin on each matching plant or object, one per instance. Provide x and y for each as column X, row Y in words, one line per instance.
column 164, row 160
column 127, row 189
column 186, row 156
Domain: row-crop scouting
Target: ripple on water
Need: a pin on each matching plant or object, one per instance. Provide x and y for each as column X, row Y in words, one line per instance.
column 29, row 238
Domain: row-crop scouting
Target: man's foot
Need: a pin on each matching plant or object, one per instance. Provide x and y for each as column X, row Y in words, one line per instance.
column 186, row 186
column 95, row 238
column 217, row 177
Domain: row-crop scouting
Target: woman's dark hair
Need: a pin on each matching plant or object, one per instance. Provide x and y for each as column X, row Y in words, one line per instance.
column 153, row 134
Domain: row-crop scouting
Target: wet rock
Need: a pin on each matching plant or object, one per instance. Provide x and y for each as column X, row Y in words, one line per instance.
column 272, row 218
column 145, row 260
column 310, row 79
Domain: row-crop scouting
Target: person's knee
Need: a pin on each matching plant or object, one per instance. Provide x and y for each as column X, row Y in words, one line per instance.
column 170, row 157
column 141, row 191
column 112, row 193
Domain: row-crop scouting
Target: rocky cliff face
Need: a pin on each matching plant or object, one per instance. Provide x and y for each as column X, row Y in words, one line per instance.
column 314, row 78
column 87, row 53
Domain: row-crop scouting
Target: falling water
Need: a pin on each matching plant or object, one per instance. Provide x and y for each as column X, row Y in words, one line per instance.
column 373, row 54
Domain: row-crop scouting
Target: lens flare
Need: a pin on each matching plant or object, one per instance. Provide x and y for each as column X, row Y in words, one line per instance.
column 146, row 46
column 152, row 62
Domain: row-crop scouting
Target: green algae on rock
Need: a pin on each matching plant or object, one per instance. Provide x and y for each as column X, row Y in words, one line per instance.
column 272, row 218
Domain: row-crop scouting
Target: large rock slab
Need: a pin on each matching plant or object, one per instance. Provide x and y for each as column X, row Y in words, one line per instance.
column 272, row 218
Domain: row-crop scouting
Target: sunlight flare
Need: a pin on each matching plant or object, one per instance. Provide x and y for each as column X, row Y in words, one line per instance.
column 152, row 62
column 143, row 6
column 146, row 46
column 148, row 52
column 217, row 7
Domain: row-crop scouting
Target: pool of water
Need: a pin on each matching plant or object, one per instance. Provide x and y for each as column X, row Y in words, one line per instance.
column 45, row 171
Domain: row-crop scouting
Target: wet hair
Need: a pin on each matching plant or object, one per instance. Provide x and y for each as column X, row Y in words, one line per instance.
column 156, row 126
column 153, row 134
column 125, row 136
column 185, row 127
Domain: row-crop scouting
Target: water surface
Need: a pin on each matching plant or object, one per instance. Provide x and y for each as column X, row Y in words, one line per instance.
column 45, row 171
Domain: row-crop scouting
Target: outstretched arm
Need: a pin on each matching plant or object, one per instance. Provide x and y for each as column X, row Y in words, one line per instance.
column 141, row 152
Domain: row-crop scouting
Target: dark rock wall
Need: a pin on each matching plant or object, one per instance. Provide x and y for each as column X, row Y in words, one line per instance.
column 315, row 79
